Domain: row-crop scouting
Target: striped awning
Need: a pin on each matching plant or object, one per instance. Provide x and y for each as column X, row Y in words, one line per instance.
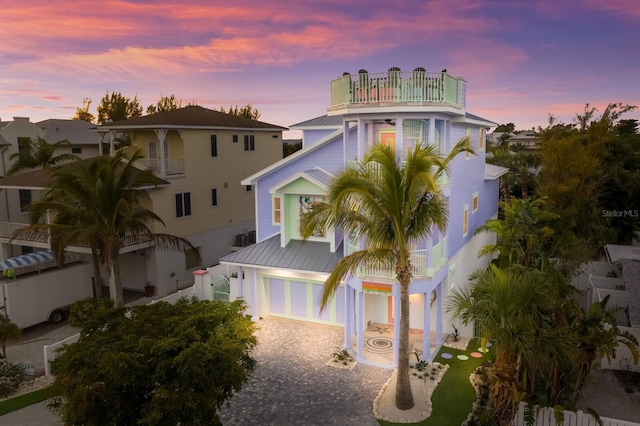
column 26, row 259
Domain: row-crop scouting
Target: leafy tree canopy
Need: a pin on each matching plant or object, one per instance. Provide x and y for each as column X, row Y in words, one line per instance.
column 247, row 111
column 166, row 103
column 82, row 113
column 116, row 107
column 509, row 128
column 158, row 364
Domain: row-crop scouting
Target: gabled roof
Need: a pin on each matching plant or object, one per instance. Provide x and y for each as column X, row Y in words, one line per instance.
column 39, row 180
column 316, row 176
column 334, row 121
column 192, row 116
column 474, row 119
column 76, row 132
column 298, row 255
column 293, row 157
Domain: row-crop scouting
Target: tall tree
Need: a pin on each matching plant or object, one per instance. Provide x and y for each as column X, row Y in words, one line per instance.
column 98, row 204
column 39, row 154
column 389, row 206
column 511, row 308
column 166, row 103
column 82, row 113
column 158, row 364
column 116, row 107
column 247, row 111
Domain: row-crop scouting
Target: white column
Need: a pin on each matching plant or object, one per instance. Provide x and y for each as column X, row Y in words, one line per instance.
column 112, row 146
column 362, row 137
column 345, row 141
column 240, row 280
column 432, row 131
column 360, row 325
column 439, row 317
column 162, row 135
column 255, row 311
column 426, row 335
column 348, row 300
column 400, row 140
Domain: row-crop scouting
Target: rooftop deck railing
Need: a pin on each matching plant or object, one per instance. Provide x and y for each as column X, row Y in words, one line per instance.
column 397, row 87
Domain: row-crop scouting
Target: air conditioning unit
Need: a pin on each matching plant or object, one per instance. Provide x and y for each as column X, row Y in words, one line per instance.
column 252, row 237
column 242, row 240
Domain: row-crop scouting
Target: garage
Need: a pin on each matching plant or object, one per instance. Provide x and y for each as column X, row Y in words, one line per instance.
column 300, row 299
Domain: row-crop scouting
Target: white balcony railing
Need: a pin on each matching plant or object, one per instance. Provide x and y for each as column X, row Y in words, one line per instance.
column 172, row 166
column 425, row 263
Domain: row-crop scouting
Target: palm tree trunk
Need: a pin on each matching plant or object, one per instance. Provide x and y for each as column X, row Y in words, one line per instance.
column 116, row 282
column 404, row 397
column 96, row 272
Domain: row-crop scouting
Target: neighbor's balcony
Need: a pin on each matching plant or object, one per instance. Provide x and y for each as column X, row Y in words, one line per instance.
column 417, row 87
column 426, row 263
column 129, row 242
column 172, row 166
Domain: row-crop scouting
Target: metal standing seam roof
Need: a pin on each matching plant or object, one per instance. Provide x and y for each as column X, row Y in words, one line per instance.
column 299, row 255
column 320, row 175
column 26, row 259
column 76, row 132
column 322, row 121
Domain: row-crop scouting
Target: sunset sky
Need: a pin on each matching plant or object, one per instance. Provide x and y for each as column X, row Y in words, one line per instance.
column 522, row 59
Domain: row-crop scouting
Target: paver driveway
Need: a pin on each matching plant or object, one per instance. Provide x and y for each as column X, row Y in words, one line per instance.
column 293, row 386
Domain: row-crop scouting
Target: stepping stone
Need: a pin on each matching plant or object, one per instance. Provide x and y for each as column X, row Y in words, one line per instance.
column 446, row 355
column 483, row 350
column 463, row 357
column 476, row 354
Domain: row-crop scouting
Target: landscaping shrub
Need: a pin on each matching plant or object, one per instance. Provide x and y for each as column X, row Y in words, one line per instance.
column 83, row 310
column 10, row 378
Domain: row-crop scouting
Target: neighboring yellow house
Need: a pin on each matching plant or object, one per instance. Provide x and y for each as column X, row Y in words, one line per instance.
column 203, row 155
column 200, row 156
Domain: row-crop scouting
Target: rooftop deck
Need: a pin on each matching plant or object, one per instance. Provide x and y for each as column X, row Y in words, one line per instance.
column 395, row 87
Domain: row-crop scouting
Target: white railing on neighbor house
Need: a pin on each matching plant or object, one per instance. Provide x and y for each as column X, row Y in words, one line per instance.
column 544, row 417
column 50, row 350
column 172, row 166
column 426, row 263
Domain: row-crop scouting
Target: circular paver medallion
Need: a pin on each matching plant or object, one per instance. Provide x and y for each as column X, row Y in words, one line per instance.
column 446, row 355
column 463, row 357
column 476, row 354
column 483, row 349
column 379, row 344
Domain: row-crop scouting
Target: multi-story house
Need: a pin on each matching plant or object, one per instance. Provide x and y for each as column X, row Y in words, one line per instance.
column 199, row 156
column 19, row 135
column 282, row 275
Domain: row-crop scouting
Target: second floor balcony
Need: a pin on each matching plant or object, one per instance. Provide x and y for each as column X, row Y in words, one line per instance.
column 425, row 263
column 164, row 168
column 395, row 87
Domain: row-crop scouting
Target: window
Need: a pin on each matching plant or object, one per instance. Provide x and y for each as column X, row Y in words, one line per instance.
column 192, row 258
column 214, row 145
column 234, row 138
column 474, row 203
column 307, row 204
column 276, row 210
column 249, row 143
column 24, row 147
column 214, row 197
column 76, row 150
column 481, row 135
column 248, row 188
column 465, row 222
column 183, row 204
column 25, row 199
column 468, row 135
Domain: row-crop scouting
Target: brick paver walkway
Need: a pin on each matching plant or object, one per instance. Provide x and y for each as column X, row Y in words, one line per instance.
column 293, row 386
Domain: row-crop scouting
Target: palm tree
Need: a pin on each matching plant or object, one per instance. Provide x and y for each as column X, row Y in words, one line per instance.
column 97, row 204
column 520, row 231
column 511, row 308
column 40, row 154
column 8, row 331
column 389, row 207
column 599, row 335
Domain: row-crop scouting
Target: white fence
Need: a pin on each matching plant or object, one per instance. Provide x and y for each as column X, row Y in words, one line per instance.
column 50, row 350
column 544, row 417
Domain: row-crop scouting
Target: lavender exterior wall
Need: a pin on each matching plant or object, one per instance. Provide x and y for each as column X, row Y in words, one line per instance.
column 328, row 157
column 466, row 178
column 310, row 137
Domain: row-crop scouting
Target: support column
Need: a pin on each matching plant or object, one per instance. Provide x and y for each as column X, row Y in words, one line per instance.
column 162, row 136
column 400, row 152
column 360, row 326
column 347, row 316
column 240, row 280
column 426, row 335
column 396, row 323
column 255, row 311
column 112, row 146
column 345, row 141
column 362, row 137
column 439, row 317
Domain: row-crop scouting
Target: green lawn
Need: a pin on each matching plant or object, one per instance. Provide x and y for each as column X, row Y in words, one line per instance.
column 27, row 399
column 454, row 396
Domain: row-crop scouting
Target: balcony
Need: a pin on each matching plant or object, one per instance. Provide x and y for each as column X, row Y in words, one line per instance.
column 172, row 166
column 416, row 87
column 425, row 263
column 130, row 242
